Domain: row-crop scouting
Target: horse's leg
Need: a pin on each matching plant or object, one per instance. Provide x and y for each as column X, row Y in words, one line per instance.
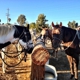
column 76, row 63
column 3, row 64
column 18, row 47
column 56, row 54
column 70, row 59
column 53, row 50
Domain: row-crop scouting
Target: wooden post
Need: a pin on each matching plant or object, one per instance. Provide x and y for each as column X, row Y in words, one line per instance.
column 37, row 72
column 39, row 58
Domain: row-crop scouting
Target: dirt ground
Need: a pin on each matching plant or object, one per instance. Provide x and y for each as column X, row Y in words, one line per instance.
column 23, row 70
column 62, row 66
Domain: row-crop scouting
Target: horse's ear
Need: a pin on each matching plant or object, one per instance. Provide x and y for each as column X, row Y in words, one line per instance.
column 52, row 24
column 60, row 24
column 28, row 26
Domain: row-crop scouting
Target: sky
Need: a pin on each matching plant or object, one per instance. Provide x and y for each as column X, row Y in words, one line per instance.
column 54, row 10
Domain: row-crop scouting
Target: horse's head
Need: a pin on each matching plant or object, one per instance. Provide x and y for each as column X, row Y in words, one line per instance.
column 56, row 35
column 24, row 37
column 46, row 33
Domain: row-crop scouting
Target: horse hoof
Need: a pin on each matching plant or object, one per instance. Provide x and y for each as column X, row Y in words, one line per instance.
column 71, row 76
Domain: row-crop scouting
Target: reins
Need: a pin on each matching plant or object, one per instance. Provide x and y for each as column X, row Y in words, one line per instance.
column 71, row 42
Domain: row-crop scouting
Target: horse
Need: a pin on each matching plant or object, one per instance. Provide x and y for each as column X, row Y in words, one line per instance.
column 10, row 34
column 46, row 34
column 68, row 38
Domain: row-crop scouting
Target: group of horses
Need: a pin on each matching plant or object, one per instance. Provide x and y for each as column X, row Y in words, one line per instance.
column 68, row 38
column 60, row 36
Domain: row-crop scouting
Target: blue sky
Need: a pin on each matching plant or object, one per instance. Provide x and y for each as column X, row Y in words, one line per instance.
column 55, row 10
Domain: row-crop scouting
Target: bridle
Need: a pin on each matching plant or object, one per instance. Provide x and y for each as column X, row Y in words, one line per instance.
column 24, row 34
column 61, row 42
column 60, row 37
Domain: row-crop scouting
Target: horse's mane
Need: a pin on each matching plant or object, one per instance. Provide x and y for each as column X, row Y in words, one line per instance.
column 68, row 30
column 69, row 34
column 5, row 29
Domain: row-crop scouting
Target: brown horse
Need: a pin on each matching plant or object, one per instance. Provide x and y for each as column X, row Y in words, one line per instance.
column 68, row 38
column 47, row 33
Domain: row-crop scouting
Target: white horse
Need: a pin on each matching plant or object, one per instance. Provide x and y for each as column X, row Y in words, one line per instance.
column 9, row 34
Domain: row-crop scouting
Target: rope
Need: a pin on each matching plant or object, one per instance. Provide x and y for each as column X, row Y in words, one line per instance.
column 13, row 65
column 11, row 53
column 6, row 53
column 70, row 44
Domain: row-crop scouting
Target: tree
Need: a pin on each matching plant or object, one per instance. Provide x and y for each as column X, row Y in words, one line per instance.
column 21, row 19
column 76, row 25
column 72, row 24
column 9, row 19
column 26, row 23
column 47, row 25
column 41, row 21
column 0, row 21
column 32, row 25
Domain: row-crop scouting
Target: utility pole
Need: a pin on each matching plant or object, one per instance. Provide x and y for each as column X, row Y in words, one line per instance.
column 7, row 14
